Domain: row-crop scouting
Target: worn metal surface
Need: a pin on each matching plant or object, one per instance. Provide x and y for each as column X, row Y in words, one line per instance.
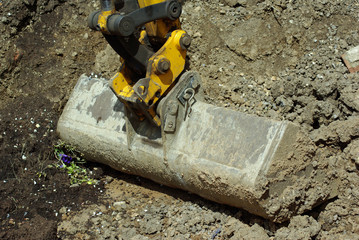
column 222, row 155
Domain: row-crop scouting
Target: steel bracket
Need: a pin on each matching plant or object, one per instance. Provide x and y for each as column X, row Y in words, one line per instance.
column 172, row 108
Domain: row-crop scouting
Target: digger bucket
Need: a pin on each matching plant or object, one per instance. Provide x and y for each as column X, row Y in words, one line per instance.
column 257, row 164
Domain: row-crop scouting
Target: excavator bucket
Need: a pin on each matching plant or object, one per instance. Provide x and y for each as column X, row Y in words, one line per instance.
column 155, row 123
column 257, row 164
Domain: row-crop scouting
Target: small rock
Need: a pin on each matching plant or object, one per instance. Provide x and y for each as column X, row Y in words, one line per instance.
column 351, row 59
column 197, row 35
column 62, row 210
column 4, row 20
column 300, row 227
column 109, row 179
column 235, row 3
column 352, row 151
column 232, row 66
column 13, row 31
column 152, row 226
column 197, row 9
column 59, row 52
column 181, row 229
column 120, row 205
column 208, row 219
column 139, row 237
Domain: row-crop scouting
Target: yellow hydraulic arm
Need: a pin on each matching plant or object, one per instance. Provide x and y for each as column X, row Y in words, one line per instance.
column 153, row 47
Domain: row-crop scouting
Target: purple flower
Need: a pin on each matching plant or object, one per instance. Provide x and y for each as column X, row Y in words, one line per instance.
column 66, row 158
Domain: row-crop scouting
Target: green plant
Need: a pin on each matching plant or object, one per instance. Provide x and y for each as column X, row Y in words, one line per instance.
column 42, row 165
column 41, row 174
column 72, row 162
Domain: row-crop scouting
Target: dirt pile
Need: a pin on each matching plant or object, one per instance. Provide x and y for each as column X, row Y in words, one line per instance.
column 278, row 59
column 40, row 45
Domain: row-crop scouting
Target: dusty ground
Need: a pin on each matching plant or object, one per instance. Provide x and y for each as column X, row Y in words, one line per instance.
column 279, row 59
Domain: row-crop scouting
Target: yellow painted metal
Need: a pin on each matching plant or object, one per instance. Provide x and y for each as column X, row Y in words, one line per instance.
column 143, row 35
column 161, row 27
column 156, row 82
column 155, row 119
column 173, row 52
column 102, row 19
column 145, row 3
column 122, row 84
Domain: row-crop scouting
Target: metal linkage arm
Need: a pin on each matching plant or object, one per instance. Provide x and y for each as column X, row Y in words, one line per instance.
column 147, row 35
column 125, row 25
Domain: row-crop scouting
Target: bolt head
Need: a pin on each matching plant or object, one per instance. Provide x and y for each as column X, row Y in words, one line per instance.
column 163, row 65
column 185, row 41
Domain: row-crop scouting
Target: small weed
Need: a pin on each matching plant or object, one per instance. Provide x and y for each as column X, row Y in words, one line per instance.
column 42, row 164
column 41, row 174
column 71, row 161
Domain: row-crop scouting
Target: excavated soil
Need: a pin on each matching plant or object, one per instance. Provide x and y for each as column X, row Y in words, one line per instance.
column 274, row 58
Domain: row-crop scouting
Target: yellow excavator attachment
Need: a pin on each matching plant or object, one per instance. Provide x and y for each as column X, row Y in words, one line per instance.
column 151, row 120
column 153, row 58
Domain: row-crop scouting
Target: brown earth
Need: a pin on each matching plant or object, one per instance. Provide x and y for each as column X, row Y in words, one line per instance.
column 278, row 59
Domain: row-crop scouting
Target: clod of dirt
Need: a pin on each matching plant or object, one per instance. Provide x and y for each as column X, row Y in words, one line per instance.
column 340, row 219
column 352, row 151
column 107, row 62
column 236, row 3
column 300, row 228
column 339, row 132
column 249, row 44
column 37, row 228
column 235, row 229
